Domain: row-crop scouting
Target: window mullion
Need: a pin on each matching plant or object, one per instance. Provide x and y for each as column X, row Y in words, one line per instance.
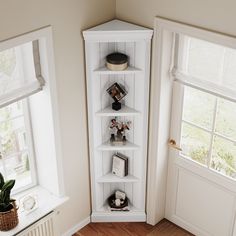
column 196, row 126
column 209, row 157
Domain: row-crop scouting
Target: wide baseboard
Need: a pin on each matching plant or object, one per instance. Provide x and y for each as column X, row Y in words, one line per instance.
column 77, row 227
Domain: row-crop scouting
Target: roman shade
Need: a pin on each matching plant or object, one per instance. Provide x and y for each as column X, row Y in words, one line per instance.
column 207, row 66
column 20, row 72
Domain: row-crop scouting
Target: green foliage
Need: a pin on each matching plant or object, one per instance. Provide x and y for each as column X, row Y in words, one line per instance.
column 222, row 161
column 199, row 155
column 5, row 200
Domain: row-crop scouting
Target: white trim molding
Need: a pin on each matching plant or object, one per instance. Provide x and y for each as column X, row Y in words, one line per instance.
column 160, row 109
column 77, row 227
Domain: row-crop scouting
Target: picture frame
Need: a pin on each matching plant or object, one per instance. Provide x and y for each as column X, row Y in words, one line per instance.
column 117, row 92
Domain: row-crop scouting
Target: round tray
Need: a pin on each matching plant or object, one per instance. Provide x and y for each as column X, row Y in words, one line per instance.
column 113, row 205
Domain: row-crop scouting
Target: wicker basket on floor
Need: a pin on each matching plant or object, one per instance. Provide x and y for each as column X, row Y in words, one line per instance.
column 9, row 219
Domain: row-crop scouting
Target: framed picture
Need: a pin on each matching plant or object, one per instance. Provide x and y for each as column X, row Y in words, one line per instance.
column 116, row 91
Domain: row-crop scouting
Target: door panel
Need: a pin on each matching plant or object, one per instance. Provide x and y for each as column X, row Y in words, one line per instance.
column 203, row 204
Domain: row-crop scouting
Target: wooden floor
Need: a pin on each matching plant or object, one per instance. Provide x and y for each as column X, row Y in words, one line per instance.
column 164, row 228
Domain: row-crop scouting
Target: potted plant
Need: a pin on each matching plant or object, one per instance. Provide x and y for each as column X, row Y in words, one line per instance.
column 8, row 210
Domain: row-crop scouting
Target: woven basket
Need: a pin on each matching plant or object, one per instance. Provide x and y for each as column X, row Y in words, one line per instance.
column 9, row 219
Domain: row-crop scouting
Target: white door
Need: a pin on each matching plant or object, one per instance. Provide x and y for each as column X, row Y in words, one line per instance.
column 201, row 185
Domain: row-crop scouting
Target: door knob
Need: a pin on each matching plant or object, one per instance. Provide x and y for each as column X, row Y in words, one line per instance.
column 172, row 144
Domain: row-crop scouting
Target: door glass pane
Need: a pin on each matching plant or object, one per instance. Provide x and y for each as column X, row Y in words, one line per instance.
column 226, row 118
column 224, row 157
column 198, row 107
column 195, row 143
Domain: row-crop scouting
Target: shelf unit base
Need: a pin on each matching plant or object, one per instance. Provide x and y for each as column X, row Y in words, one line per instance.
column 118, row 216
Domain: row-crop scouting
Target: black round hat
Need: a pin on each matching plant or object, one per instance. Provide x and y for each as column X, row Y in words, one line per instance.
column 117, row 58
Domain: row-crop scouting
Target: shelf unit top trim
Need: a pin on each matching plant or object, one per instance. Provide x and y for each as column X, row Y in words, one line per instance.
column 124, row 111
column 117, row 30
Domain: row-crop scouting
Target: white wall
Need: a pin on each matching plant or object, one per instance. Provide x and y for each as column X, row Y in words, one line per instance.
column 67, row 18
column 216, row 15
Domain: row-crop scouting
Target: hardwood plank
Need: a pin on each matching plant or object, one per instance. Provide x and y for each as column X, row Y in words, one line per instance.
column 163, row 228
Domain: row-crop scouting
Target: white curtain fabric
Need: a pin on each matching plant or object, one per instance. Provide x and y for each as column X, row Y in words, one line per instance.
column 20, row 73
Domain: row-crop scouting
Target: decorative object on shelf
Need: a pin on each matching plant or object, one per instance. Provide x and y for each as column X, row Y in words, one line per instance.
column 117, row 92
column 118, row 201
column 118, row 131
column 117, row 61
column 8, row 209
column 120, row 165
column 29, row 203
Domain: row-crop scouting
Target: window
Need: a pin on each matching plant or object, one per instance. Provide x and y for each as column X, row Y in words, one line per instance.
column 208, row 134
column 17, row 160
column 20, row 76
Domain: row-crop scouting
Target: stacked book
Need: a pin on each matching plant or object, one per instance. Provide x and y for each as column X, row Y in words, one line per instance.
column 120, row 165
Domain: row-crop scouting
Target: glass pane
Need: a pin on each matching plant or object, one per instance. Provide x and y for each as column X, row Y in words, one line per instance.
column 198, row 107
column 224, row 157
column 18, row 168
column 225, row 119
column 11, row 111
column 10, row 132
column 195, row 143
column 1, row 167
column 229, row 73
column 205, row 59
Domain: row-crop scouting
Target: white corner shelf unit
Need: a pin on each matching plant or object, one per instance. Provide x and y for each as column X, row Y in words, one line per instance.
column 134, row 41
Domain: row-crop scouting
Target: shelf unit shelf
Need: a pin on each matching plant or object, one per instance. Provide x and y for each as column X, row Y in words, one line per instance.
column 105, row 71
column 135, row 42
column 107, row 146
column 105, row 214
column 124, row 111
column 111, row 178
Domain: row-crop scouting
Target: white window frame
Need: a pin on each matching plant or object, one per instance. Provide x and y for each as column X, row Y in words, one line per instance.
column 28, row 128
column 160, row 105
column 48, row 100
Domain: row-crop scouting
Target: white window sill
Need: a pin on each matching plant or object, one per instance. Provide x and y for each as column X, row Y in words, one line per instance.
column 46, row 202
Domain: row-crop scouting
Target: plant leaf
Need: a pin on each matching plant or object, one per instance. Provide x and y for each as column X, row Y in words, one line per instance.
column 1, row 181
column 8, row 185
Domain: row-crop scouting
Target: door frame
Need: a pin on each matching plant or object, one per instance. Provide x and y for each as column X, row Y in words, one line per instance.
column 161, row 104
